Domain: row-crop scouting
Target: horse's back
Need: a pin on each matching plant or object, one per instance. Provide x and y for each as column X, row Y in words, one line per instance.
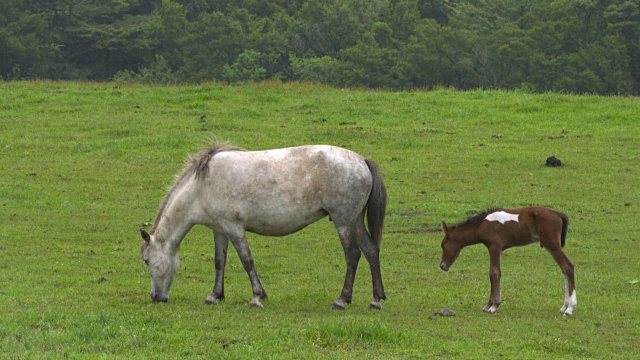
column 280, row 191
column 300, row 167
column 531, row 225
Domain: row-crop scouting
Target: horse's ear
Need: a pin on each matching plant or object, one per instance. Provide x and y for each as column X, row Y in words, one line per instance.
column 444, row 227
column 145, row 235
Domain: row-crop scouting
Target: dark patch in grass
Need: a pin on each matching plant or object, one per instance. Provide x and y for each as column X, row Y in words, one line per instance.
column 553, row 161
column 446, row 312
column 423, row 229
column 225, row 342
column 409, row 213
column 433, row 130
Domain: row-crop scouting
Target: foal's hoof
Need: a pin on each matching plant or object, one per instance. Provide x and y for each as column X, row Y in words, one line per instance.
column 566, row 312
column 338, row 305
column 375, row 305
column 489, row 309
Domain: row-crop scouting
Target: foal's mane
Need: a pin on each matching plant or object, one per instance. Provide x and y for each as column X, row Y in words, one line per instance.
column 197, row 166
column 473, row 220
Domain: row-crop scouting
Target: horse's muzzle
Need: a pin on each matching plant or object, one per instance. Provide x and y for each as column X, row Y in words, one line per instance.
column 444, row 267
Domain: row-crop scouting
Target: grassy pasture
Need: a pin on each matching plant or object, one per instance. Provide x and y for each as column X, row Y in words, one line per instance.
column 83, row 166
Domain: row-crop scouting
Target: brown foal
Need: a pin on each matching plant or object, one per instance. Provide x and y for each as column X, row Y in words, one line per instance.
column 500, row 229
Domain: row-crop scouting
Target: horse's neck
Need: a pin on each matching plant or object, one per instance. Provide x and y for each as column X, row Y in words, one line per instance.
column 171, row 232
column 468, row 236
column 175, row 221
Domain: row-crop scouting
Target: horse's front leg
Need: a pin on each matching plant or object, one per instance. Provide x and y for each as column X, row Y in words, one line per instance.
column 221, row 245
column 494, row 277
column 242, row 247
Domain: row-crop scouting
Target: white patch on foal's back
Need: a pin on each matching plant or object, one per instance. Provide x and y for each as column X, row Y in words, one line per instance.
column 501, row 217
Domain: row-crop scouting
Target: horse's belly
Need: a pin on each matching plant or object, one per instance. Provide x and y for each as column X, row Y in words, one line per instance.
column 282, row 224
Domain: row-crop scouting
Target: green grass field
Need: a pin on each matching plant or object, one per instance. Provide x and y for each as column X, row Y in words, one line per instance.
column 84, row 166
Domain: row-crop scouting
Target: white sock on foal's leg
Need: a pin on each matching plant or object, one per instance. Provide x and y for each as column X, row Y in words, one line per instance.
column 570, row 300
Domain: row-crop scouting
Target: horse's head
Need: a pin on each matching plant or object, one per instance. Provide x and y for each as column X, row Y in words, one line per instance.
column 450, row 248
column 163, row 263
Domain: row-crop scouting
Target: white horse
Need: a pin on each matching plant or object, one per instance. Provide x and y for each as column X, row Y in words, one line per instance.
column 274, row 193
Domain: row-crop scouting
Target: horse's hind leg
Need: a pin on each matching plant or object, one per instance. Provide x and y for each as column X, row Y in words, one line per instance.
column 371, row 252
column 221, row 245
column 570, row 299
column 352, row 256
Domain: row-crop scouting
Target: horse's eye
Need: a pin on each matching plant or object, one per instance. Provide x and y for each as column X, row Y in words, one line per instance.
column 146, row 262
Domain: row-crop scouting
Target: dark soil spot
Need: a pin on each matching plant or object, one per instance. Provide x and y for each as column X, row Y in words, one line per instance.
column 553, row 161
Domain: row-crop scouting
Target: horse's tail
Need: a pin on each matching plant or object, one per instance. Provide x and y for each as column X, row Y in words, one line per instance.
column 565, row 226
column 377, row 203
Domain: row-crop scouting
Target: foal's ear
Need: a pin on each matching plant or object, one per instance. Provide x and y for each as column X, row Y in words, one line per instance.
column 444, row 227
column 145, row 235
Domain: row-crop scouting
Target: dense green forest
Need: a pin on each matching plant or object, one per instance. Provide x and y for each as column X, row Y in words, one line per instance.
column 577, row 46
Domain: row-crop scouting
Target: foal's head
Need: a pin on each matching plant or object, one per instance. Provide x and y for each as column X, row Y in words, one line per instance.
column 457, row 237
column 163, row 264
column 451, row 248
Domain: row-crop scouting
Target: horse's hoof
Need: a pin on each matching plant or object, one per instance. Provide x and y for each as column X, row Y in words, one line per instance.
column 338, row 305
column 255, row 302
column 210, row 300
column 489, row 309
column 567, row 312
column 375, row 305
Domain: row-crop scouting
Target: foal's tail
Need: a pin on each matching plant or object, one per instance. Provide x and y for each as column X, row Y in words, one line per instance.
column 565, row 226
column 377, row 203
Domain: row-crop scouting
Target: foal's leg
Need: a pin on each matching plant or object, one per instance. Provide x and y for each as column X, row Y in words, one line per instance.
column 570, row 299
column 221, row 245
column 242, row 247
column 494, row 276
column 372, row 254
column 352, row 256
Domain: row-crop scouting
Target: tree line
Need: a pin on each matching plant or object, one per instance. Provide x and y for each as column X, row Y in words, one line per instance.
column 576, row 46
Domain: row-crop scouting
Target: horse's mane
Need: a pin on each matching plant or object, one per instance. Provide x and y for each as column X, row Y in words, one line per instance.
column 197, row 166
column 474, row 219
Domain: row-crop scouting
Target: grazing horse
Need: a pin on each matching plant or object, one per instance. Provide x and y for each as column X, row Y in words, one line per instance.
column 500, row 229
column 273, row 193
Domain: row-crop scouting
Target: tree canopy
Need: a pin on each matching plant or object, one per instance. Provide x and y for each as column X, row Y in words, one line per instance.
column 578, row 46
